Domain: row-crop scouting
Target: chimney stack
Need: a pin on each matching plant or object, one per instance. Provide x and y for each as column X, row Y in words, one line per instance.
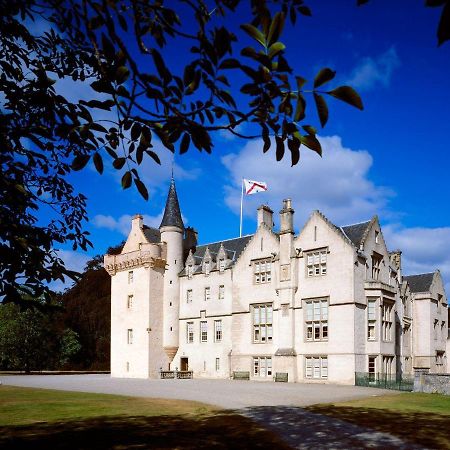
column 137, row 222
column 265, row 216
column 287, row 217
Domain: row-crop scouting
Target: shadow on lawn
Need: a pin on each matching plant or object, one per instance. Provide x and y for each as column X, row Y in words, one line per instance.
column 423, row 429
column 123, row 432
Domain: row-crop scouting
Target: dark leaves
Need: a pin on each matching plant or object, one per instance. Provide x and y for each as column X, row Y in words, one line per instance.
column 98, row 163
column 126, row 180
column 141, row 188
column 348, row 95
column 80, row 162
column 322, row 109
column 323, row 77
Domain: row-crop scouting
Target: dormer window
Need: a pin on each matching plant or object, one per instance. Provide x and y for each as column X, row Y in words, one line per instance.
column 221, row 265
column 190, row 271
column 207, row 267
column 377, row 237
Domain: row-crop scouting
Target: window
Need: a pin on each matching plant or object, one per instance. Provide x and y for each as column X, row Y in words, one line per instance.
column 316, row 263
column 387, row 322
column 189, row 296
column 190, row 332
column 262, row 323
column 372, row 367
column 316, row 367
column 371, row 319
column 130, row 277
column 377, row 237
column 221, row 265
column 376, row 262
column 316, row 322
column 207, row 267
column 129, row 336
column 207, row 293
column 440, row 362
column 218, row 331
column 217, row 364
column 203, row 331
column 130, row 301
column 190, row 271
column 436, row 322
column 128, row 366
column 407, row 335
column 262, row 366
column 388, row 365
column 262, row 271
column 221, row 292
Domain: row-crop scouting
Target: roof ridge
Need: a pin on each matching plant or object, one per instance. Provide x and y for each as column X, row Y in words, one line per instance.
column 225, row 240
column 357, row 223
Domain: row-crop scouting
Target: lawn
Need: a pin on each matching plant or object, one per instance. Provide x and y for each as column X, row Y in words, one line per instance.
column 422, row 419
column 47, row 419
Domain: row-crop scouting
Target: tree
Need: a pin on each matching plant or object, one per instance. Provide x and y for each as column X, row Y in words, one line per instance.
column 87, row 311
column 32, row 340
column 118, row 48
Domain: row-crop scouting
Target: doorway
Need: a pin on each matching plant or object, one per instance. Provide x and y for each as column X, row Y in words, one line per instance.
column 184, row 364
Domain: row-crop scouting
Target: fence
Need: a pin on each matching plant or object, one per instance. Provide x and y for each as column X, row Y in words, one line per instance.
column 384, row 381
column 180, row 374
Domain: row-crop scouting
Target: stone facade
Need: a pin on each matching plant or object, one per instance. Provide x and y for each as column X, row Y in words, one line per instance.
column 319, row 306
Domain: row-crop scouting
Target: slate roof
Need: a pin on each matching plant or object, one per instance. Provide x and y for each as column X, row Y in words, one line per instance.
column 152, row 234
column 421, row 282
column 356, row 232
column 172, row 213
column 233, row 247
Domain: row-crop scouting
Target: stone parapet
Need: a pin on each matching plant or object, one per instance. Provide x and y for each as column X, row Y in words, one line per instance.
column 127, row 261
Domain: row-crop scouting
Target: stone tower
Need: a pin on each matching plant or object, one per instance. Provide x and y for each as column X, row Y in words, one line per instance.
column 172, row 233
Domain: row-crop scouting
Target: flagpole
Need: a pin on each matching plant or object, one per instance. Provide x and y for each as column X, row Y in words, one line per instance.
column 242, row 199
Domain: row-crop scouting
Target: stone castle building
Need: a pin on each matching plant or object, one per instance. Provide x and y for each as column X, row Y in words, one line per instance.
column 319, row 306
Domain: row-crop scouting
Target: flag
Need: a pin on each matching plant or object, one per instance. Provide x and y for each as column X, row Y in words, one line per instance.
column 253, row 187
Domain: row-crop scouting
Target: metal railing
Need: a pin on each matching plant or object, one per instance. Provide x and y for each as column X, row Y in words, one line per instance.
column 178, row 374
column 384, row 381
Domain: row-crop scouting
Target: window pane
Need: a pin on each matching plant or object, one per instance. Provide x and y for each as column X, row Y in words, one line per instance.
column 309, row 311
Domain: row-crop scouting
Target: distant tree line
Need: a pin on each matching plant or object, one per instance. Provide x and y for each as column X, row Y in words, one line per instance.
column 72, row 333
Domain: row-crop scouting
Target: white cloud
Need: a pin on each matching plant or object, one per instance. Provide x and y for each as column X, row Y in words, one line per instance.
column 75, row 261
column 371, row 72
column 424, row 249
column 336, row 184
column 123, row 223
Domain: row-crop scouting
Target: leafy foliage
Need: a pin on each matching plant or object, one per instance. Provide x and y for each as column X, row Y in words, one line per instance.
column 34, row 340
column 87, row 311
column 119, row 48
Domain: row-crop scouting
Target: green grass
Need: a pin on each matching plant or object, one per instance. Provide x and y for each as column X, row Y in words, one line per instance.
column 22, row 406
column 50, row 419
column 418, row 418
column 406, row 402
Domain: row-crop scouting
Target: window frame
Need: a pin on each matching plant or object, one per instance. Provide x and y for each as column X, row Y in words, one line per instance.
column 311, row 368
column 371, row 321
column 189, row 332
column 203, row 332
column 130, row 336
column 130, row 299
column 130, row 277
column 316, row 262
column 189, row 295
column 264, row 329
column 262, row 366
column 316, row 325
column 218, row 330
column 262, row 271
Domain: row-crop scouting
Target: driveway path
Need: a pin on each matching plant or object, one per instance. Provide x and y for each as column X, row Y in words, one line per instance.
column 223, row 393
column 276, row 406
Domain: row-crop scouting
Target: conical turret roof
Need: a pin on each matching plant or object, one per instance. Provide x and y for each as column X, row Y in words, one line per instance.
column 172, row 213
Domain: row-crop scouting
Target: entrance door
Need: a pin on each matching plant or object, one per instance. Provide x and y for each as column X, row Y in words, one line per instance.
column 184, row 364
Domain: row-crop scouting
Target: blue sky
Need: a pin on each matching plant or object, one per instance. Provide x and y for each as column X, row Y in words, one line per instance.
column 392, row 159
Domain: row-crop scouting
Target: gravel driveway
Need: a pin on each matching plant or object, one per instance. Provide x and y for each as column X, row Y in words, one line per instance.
column 223, row 393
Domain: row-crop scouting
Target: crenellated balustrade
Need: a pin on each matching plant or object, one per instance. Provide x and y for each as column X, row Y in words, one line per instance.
column 126, row 261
